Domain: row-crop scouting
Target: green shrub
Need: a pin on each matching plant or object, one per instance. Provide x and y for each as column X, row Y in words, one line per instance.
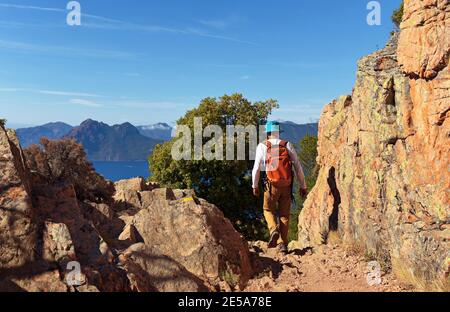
column 65, row 161
column 397, row 16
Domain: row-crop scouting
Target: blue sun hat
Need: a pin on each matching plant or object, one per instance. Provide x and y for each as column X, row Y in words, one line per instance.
column 273, row 126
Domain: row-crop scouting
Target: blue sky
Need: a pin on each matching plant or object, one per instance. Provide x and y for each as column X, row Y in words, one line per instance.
column 149, row 61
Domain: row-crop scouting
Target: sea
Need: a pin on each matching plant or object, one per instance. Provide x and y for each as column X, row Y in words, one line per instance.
column 119, row 170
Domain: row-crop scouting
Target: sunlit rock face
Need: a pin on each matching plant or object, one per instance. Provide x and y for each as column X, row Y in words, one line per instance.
column 17, row 230
column 384, row 152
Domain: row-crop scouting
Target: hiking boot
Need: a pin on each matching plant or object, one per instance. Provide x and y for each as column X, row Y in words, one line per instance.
column 274, row 239
column 283, row 249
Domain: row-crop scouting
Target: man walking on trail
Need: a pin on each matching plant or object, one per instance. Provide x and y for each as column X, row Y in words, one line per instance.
column 278, row 159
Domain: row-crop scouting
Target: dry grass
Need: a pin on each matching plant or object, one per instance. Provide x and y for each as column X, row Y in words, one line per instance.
column 334, row 238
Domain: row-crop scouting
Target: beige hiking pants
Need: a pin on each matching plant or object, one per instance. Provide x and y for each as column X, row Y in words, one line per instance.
column 280, row 200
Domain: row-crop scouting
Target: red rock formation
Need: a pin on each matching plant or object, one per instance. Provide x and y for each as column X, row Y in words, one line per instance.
column 150, row 270
column 150, row 239
column 384, row 154
column 424, row 43
column 17, row 231
column 188, row 230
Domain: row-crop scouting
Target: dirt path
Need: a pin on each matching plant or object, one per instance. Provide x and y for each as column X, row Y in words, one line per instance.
column 327, row 268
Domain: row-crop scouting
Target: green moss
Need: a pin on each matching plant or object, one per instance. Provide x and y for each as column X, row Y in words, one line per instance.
column 335, row 123
column 440, row 209
column 230, row 278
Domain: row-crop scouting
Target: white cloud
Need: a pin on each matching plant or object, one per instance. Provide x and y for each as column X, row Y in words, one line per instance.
column 245, row 77
column 114, row 24
column 219, row 24
column 38, row 8
column 200, row 33
column 29, row 7
column 84, row 102
column 11, row 24
column 133, row 74
column 50, row 92
column 148, row 104
column 296, row 64
column 29, row 47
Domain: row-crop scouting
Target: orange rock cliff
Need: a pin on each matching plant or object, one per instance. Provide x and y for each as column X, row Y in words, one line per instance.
column 384, row 180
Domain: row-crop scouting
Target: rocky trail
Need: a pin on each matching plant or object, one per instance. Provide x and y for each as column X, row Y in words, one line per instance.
column 328, row 268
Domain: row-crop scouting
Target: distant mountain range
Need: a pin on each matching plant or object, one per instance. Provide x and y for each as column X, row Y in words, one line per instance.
column 294, row 132
column 52, row 131
column 112, row 143
column 126, row 142
column 159, row 131
column 102, row 142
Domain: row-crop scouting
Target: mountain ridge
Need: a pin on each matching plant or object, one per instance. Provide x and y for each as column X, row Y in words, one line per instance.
column 51, row 130
column 159, row 130
column 122, row 142
column 126, row 142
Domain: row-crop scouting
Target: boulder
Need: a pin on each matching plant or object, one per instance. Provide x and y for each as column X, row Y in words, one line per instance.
column 149, row 270
column 103, row 218
column 127, row 194
column 130, row 234
column 59, row 204
column 195, row 234
column 136, row 184
column 48, row 281
column 58, row 244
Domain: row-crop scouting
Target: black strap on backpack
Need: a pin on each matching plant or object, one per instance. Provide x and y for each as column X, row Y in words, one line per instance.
column 292, row 193
column 266, row 183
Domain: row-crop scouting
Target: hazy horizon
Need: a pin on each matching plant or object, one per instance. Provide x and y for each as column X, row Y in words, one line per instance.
column 171, row 124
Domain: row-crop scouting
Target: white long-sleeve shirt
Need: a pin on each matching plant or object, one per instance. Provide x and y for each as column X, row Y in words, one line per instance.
column 260, row 162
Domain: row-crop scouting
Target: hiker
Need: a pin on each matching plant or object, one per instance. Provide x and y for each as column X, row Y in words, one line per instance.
column 277, row 159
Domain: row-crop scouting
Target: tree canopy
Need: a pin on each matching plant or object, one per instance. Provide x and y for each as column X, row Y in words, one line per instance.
column 308, row 158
